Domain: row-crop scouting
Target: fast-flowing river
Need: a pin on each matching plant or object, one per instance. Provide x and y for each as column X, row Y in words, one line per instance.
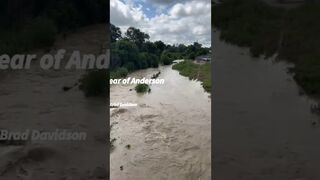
column 167, row 135
column 262, row 127
column 34, row 99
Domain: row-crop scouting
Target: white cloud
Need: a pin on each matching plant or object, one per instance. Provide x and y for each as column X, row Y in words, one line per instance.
column 162, row 2
column 124, row 14
column 185, row 22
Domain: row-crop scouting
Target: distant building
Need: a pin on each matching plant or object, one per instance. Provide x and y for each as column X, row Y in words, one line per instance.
column 204, row 58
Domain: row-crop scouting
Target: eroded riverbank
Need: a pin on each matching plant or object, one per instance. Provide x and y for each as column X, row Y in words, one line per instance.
column 167, row 136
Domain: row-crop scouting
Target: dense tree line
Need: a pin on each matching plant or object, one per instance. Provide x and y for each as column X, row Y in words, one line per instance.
column 28, row 24
column 133, row 50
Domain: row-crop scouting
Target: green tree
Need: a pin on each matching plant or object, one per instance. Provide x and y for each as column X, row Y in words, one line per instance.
column 165, row 59
column 136, row 36
column 150, row 47
column 160, row 45
column 115, row 33
column 126, row 52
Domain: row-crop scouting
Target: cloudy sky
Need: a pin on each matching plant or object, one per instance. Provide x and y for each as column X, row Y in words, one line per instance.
column 171, row 21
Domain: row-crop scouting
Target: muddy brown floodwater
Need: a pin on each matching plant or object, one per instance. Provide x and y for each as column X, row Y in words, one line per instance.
column 34, row 99
column 167, row 135
column 263, row 129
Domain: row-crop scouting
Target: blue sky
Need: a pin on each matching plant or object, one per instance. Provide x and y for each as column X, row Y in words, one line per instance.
column 172, row 21
column 151, row 8
column 147, row 7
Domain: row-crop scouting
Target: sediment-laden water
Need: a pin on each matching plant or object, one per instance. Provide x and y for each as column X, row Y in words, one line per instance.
column 167, row 135
column 263, row 126
column 34, row 99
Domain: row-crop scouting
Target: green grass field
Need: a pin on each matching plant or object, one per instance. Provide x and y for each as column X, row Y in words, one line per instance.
column 201, row 72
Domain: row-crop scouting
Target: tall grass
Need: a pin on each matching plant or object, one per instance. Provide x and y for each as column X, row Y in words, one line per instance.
column 201, row 72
